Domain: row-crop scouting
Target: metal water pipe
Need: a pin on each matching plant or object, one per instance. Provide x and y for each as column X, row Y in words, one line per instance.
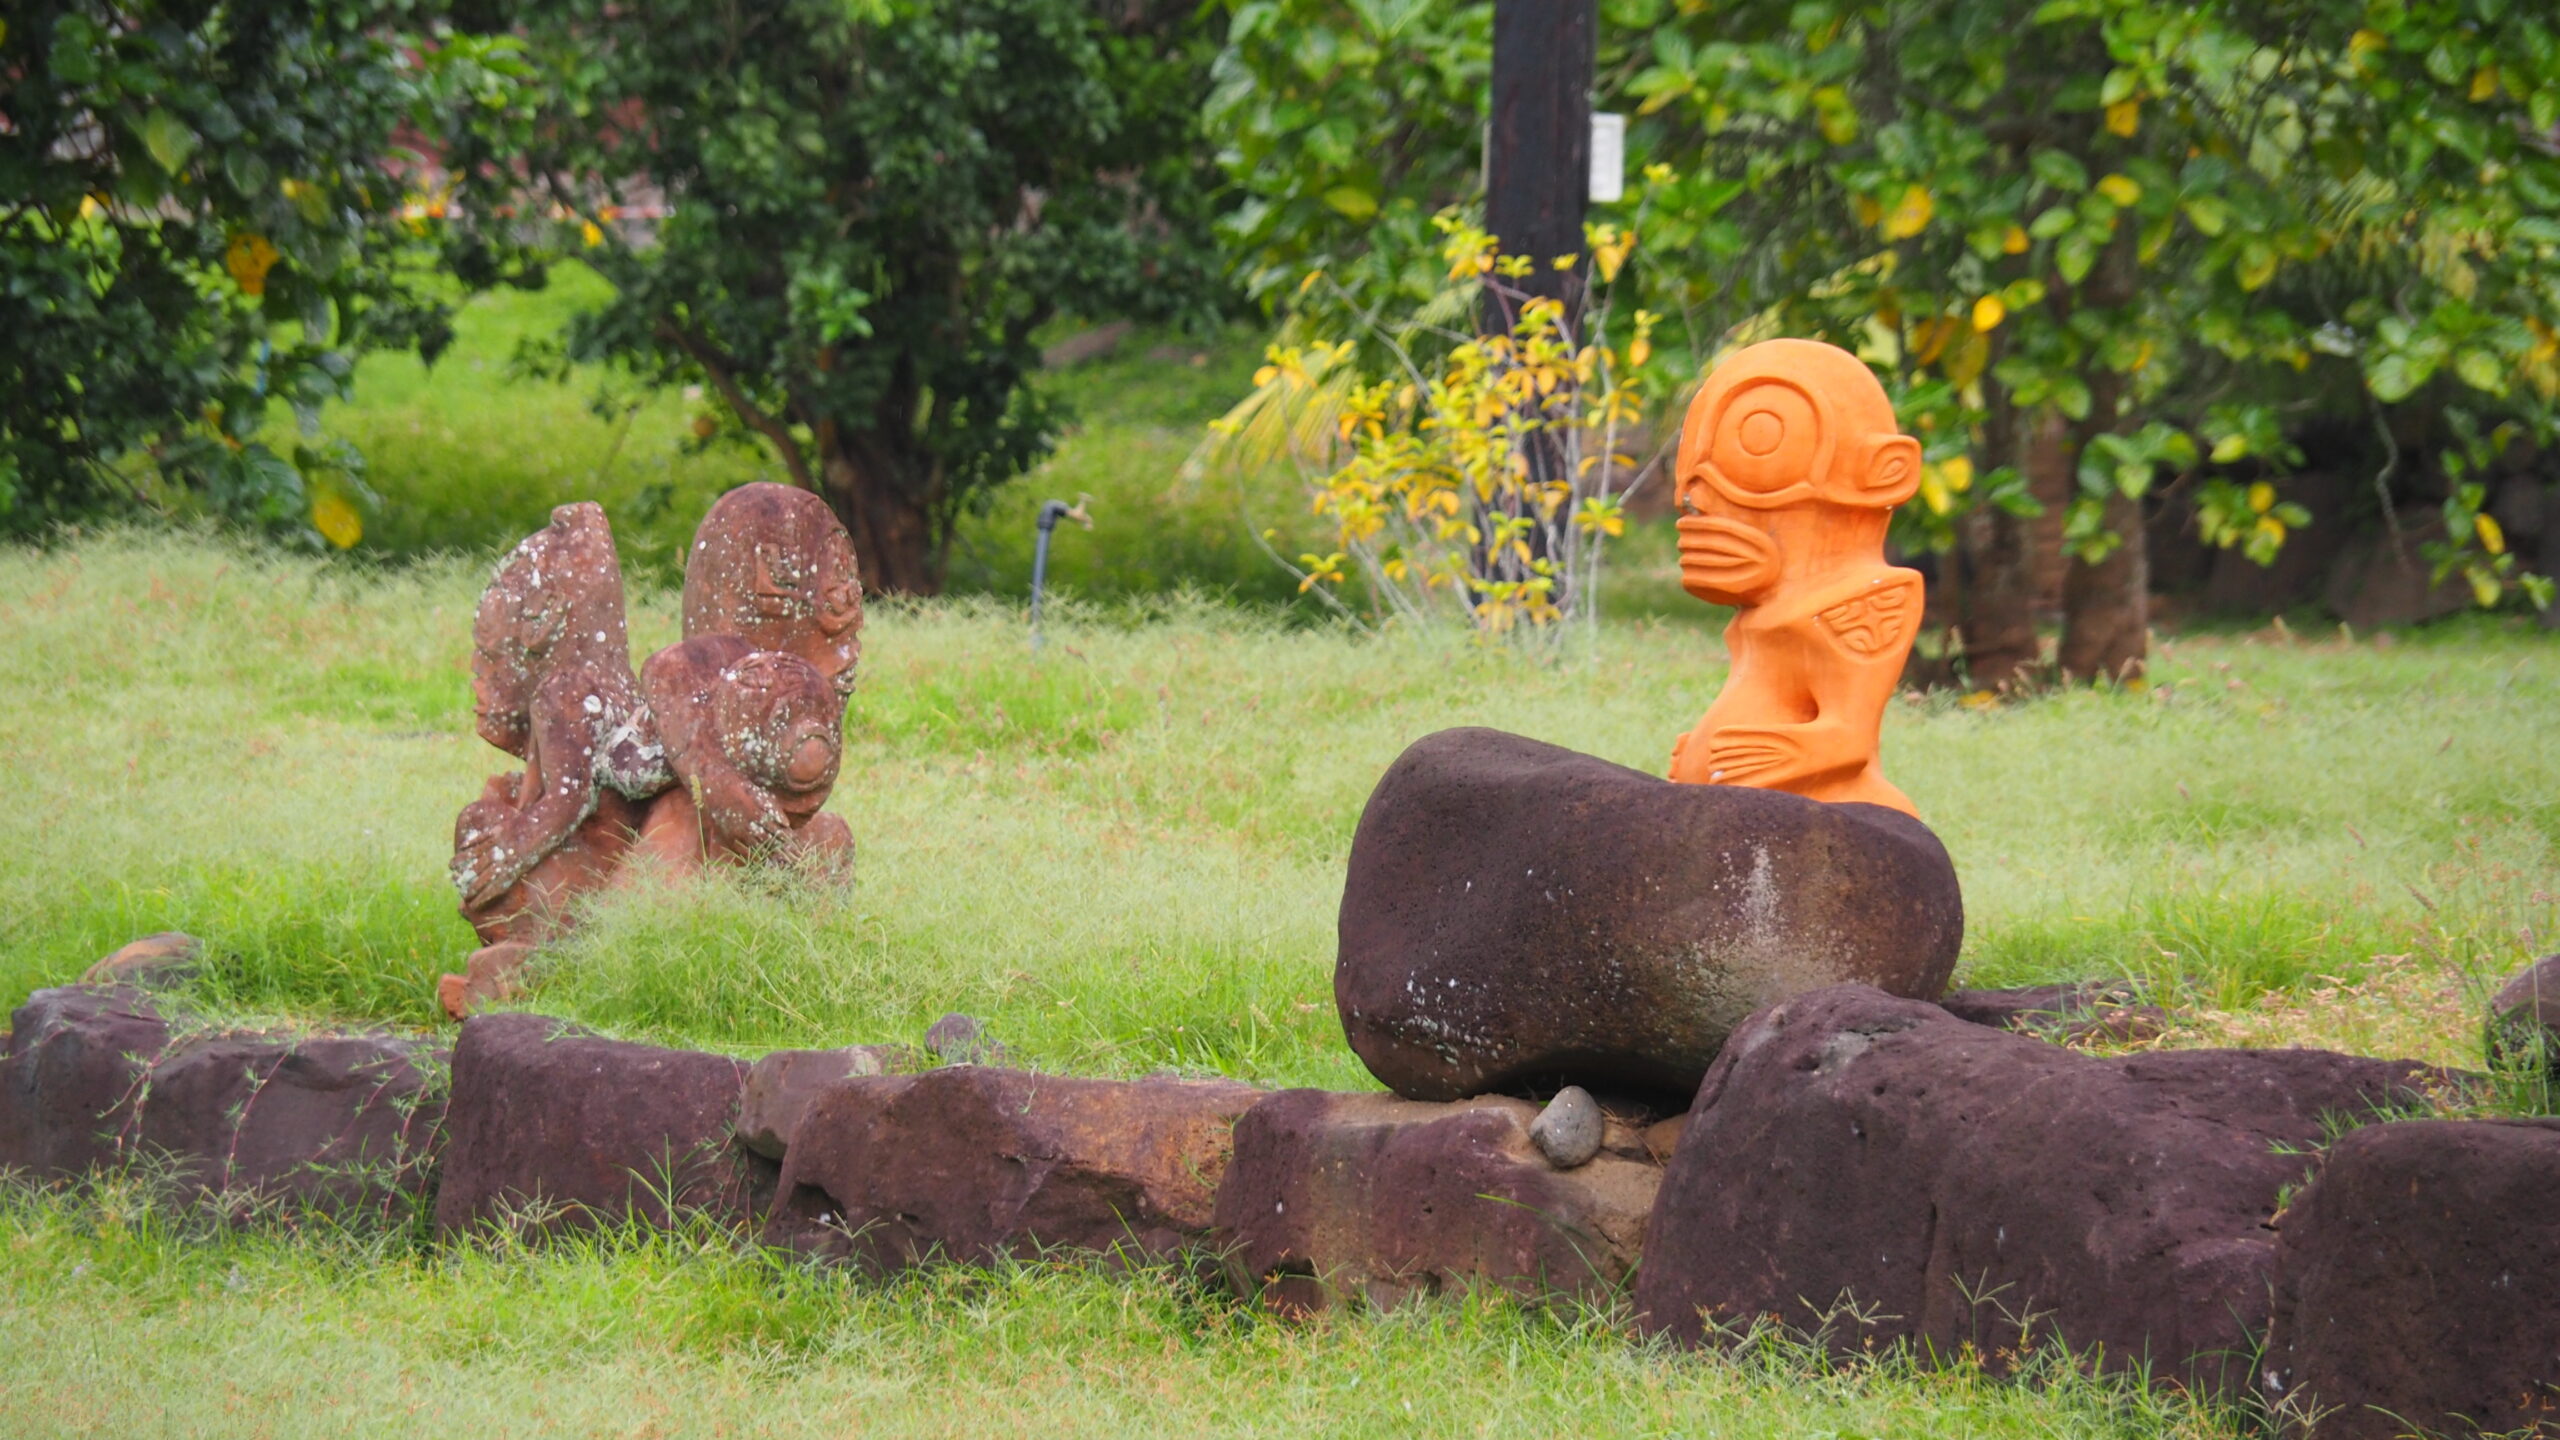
column 1051, row 512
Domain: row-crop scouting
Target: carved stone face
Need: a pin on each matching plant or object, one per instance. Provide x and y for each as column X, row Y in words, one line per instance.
column 772, row 565
column 781, row 724
column 1790, row 458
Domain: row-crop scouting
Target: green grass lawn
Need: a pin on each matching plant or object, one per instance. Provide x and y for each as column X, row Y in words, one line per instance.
column 1125, row 853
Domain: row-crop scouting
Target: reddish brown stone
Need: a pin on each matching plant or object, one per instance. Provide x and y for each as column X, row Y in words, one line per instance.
column 577, row 1129
column 2524, row 1017
column 754, row 738
column 71, row 1075
column 2418, row 1284
column 1376, row 1199
column 147, row 961
column 781, row 1086
column 2065, row 1014
column 772, row 565
column 92, row 1079
column 971, row 1162
column 551, row 683
column 1518, row 916
column 1964, row 1186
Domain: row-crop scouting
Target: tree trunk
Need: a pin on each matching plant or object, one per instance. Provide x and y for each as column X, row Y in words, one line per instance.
column 2106, row 607
column 1995, row 550
column 884, row 509
column 1538, row 146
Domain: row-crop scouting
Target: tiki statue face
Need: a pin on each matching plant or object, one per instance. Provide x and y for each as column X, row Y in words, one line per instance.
column 1790, row 460
column 772, row 565
column 780, row 723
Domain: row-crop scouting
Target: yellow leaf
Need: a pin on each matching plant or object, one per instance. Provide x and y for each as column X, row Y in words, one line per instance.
column 2262, row 497
column 1988, row 312
column 1910, row 214
column 2124, row 117
column 1966, row 359
column 2363, row 43
column 2122, row 189
column 90, row 209
column 1639, row 352
column 2493, row 537
column 2013, row 241
column 249, row 257
column 589, row 232
column 336, row 520
column 1958, row 471
column 2484, row 85
column 2484, row 586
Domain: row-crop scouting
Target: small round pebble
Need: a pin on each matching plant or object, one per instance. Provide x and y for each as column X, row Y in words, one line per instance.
column 1568, row 1131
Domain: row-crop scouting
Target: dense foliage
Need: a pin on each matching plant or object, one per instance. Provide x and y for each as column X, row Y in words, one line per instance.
column 203, row 209
column 2170, row 230
column 869, row 208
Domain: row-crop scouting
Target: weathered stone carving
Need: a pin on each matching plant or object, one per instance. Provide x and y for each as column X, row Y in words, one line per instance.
column 1790, row 465
column 772, row 565
column 551, row 684
column 753, row 737
column 727, row 752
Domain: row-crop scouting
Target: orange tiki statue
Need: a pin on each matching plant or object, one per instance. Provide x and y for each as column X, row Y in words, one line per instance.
column 1790, row 465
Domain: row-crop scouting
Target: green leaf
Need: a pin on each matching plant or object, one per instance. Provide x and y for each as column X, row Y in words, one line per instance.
column 168, row 139
column 2395, row 375
column 1352, row 201
column 2071, row 397
column 2481, row 370
column 2120, row 85
column 2075, row 256
column 2053, row 222
column 2256, row 265
column 2060, row 171
column 2210, row 214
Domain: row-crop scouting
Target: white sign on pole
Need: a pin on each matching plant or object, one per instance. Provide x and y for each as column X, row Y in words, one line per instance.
column 1608, row 158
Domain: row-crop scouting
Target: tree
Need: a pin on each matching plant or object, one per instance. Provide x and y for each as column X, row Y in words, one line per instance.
column 2147, row 219
column 2174, row 229
column 204, row 208
column 871, row 207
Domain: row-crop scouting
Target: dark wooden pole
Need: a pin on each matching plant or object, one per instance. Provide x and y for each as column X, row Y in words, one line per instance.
column 1538, row 146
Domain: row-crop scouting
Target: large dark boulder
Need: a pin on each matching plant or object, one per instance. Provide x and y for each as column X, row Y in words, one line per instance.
column 1377, row 1199
column 555, row 1126
column 2418, row 1284
column 1518, row 916
column 971, row 1162
column 93, row 1078
column 1878, row 1170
